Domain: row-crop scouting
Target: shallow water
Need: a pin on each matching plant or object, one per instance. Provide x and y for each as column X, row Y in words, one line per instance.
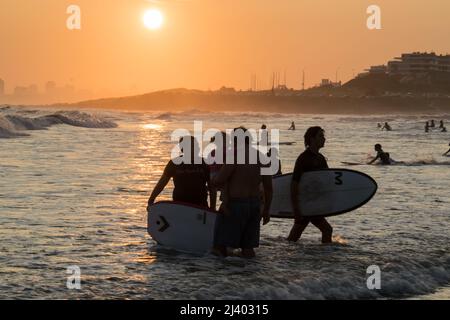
column 76, row 195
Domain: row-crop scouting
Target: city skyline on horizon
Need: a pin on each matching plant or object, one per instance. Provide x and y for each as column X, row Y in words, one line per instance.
column 205, row 46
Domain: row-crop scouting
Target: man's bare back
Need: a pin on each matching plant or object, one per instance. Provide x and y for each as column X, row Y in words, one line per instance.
column 242, row 180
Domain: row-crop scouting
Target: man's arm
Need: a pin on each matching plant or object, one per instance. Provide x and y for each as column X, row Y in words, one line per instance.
column 163, row 181
column 224, row 174
column 446, row 152
column 374, row 159
column 211, row 190
column 268, row 192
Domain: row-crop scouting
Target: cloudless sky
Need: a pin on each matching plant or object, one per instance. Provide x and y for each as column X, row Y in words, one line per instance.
column 205, row 44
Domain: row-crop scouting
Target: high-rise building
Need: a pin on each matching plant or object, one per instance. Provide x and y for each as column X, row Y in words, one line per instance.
column 50, row 87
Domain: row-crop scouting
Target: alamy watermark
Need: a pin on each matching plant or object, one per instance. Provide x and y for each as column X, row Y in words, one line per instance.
column 374, row 20
column 374, row 280
column 232, row 146
column 74, row 278
column 73, row 22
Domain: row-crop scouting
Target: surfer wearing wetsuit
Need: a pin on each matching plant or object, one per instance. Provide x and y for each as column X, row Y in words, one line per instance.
column 383, row 156
column 190, row 179
column 309, row 160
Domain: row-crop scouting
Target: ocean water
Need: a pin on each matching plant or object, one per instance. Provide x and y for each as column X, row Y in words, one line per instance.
column 74, row 187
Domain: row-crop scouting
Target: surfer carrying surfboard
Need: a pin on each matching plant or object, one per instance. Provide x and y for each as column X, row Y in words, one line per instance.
column 310, row 160
column 191, row 179
column 240, row 226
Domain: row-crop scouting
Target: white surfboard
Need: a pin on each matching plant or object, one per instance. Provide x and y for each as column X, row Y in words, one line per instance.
column 323, row 193
column 182, row 226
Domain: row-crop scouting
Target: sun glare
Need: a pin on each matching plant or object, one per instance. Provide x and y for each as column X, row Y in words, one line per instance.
column 152, row 126
column 153, row 19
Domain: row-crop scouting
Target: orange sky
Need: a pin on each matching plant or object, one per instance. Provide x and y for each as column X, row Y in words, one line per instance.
column 205, row 44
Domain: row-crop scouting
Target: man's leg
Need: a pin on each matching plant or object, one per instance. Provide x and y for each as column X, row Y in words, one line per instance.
column 326, row 229
column 297, row 229
column 220, row 251
column 248, row 253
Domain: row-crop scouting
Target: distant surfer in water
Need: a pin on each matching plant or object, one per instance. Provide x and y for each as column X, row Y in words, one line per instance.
column 387, row 127
column 264, row 136
column 383, row 156
column 447, row 151
column 441, row 124
column 292, row 127
column 191, row 179
column 309, row 160
column 240, row 228
column 427, row 127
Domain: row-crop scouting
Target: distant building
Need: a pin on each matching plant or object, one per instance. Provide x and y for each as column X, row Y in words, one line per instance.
column 20, row 91
column 377, row 69
column 2, row 87
column 50, row 87
column 225, row 90
column 25, row 91
column 417, row 62
column 328, row 83
column 412, row 63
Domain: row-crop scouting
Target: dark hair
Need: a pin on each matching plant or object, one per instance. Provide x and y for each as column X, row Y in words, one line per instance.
column 311, row 133
column 378, row 145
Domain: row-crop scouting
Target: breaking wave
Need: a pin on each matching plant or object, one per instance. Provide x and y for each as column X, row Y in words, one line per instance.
column 13, row 124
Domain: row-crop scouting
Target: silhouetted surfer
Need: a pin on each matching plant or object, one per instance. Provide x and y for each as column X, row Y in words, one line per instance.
column 240, row 228
column 292, row 127
column 427, row 127
column 309, row 160
column 387, row 127
column 441, row 124
column 447, row 151
column 191, row 180
column 383, row 156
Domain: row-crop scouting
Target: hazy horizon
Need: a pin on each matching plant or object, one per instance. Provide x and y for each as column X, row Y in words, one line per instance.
column 206, row 44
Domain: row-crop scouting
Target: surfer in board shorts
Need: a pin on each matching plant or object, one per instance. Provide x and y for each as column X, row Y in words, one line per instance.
column 240, row 226
column 309, row 160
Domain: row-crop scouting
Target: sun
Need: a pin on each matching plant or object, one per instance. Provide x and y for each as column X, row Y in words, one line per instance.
column 153, row 19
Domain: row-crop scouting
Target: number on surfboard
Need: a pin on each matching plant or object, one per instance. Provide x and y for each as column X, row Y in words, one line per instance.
column 337, row 178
